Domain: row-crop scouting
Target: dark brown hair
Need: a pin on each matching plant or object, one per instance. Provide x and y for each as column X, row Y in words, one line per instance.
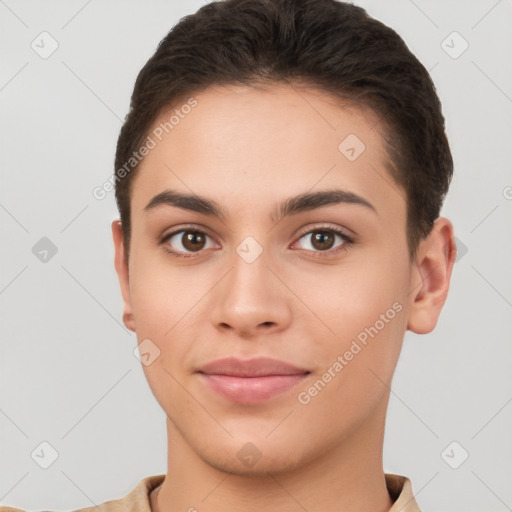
column 328, row 44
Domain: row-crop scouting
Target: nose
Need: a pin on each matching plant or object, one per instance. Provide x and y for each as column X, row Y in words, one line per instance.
column 251, row 300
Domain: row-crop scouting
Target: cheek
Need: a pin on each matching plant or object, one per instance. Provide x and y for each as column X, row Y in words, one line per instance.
column 363, row 319
column 356, row 373
column 162, row 296
column 345, row 301
column 160, row 312
column 165, row 302
column 162, row 304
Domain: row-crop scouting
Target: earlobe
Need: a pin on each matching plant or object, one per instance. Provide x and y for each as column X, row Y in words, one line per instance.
column 121, row 266
column 431, row 277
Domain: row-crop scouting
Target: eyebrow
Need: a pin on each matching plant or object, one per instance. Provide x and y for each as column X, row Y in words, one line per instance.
column 291, row 206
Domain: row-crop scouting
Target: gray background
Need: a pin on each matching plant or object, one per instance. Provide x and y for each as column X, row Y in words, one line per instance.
column 68, row 375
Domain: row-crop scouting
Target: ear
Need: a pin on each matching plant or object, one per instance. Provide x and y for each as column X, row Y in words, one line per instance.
column 431, row 275
column 122, row 273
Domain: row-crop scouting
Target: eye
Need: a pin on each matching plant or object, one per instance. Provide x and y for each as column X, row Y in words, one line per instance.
column 323, row 239
column 186, row 242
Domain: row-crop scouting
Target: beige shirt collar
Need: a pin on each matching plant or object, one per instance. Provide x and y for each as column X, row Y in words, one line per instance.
column 399, row 488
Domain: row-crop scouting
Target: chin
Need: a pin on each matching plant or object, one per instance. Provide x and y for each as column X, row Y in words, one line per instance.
column 260, row 468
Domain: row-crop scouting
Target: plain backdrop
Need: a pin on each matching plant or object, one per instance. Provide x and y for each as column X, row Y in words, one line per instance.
column 68, row 376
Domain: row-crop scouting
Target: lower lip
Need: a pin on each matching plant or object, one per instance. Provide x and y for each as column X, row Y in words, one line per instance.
column 251, row 390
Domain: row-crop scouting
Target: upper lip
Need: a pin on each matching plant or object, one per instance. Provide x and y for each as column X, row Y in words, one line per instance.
column 256, row 367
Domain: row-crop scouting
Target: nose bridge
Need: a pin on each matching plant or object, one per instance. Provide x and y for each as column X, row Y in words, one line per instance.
column 250, row 295
column 250, row 260
column 248, row 282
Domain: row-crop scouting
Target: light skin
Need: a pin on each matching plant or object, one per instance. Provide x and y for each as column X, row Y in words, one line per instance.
column 299, row 301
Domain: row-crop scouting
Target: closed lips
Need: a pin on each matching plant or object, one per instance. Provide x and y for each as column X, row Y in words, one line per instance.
column 251, row 381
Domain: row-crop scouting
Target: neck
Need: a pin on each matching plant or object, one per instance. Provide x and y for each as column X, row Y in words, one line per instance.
column 348, row 477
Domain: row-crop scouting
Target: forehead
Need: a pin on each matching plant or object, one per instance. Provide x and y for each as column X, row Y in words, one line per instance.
column 254, row 146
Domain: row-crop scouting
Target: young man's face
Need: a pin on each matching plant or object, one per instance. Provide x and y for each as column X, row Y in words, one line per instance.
column 254, row 286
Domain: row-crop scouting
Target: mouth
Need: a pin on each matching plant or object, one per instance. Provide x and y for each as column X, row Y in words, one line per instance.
column 251, row 381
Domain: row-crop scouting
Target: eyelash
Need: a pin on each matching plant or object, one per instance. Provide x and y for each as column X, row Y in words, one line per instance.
column 347, row 241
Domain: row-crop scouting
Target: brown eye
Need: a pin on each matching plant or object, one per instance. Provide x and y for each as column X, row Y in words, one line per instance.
column 323, row 240
column 186, row 242
column 193, row 240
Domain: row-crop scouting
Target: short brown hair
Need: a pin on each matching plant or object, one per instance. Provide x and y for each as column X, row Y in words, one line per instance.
column 329, row 44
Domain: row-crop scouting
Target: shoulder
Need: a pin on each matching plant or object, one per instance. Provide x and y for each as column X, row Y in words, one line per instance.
column 135, row 501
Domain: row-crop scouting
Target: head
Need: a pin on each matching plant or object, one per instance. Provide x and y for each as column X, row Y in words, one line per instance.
column 262, row 129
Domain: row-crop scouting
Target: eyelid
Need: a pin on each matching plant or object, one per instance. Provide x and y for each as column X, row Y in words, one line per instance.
column 186, row 227
column 326, row 227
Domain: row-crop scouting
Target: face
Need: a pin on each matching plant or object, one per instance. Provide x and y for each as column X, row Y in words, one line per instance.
column 322, row 285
